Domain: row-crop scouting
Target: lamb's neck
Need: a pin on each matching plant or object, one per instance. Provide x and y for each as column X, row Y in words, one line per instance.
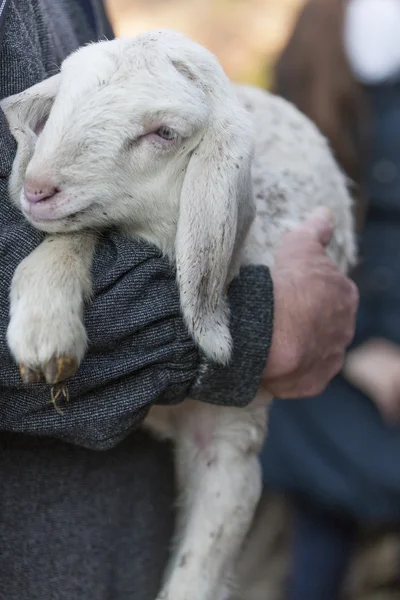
column 162, row 235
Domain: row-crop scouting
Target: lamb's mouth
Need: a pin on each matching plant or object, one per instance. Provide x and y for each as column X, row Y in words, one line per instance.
column 60, row 224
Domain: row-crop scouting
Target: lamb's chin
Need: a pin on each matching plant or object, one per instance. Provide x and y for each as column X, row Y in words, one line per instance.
column 66, row 224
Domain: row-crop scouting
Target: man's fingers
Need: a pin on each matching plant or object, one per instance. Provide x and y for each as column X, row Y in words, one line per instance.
column 320, row 224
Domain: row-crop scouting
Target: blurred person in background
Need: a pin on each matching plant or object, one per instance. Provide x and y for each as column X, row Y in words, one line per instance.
column 337, row 456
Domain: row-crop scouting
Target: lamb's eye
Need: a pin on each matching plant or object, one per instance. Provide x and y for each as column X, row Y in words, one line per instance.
column 166, row 133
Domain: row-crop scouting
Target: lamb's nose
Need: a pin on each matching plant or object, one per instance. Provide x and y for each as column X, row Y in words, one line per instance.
column 35, row 191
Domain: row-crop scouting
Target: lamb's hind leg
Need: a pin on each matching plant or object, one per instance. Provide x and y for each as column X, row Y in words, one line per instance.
column 220, row 484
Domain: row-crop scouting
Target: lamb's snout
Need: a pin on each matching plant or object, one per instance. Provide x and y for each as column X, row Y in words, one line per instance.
column 41, row 199
column 36, row 190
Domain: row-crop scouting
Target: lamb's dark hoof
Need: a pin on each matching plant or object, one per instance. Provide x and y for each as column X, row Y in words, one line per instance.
column 60, row 369
column 29, row 375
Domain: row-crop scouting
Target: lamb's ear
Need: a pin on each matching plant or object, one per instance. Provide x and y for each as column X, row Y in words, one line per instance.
column 32, row 106
column 216, row 210
column 26, row 114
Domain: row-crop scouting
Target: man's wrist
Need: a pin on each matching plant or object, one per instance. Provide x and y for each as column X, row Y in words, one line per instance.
column 285, row 352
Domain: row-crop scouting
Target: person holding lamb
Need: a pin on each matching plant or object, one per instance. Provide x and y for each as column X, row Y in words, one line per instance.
column 79, row 523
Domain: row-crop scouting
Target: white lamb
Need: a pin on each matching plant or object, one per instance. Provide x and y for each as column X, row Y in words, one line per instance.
column 148, row 135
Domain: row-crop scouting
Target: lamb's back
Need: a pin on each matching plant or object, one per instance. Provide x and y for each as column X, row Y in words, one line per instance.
column 293, row 172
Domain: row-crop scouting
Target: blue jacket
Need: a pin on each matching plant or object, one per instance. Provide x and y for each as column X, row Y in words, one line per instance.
column 335, row 450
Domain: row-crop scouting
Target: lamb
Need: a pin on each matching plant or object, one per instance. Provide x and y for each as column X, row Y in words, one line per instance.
column 212, row 194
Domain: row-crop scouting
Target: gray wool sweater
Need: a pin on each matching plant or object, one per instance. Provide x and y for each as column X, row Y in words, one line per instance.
column 86, row 498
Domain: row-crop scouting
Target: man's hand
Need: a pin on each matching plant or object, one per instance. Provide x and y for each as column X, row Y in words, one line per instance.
column 374, row 368
column 314, row 316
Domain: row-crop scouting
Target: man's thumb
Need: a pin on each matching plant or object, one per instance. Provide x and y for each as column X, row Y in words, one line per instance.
column 321, row 224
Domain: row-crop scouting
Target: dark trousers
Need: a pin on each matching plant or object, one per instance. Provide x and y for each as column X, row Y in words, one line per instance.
column 322, row 546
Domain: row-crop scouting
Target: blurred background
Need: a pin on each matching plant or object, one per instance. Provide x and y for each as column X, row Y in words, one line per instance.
column 246, row 35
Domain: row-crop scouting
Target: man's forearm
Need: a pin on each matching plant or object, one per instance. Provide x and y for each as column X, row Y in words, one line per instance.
column 140, row 352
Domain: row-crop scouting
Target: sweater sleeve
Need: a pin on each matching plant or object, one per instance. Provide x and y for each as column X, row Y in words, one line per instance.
column 140, row 351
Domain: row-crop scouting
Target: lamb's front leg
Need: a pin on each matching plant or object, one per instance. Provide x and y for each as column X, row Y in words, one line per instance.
column 46, row 335
column 220, row 484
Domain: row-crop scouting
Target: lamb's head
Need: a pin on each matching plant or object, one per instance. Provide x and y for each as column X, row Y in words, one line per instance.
column 144, row 134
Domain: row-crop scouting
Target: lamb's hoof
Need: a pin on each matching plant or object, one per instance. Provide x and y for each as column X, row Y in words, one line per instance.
column 56, row 370
column 60, row 368
column 30, row 375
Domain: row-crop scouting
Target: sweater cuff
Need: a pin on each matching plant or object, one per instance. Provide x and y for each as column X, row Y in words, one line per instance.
column 251, row 302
